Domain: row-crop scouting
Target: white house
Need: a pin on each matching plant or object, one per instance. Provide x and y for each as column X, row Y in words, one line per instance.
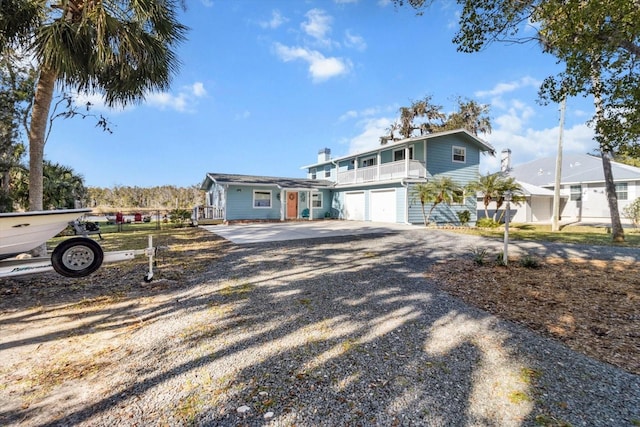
column 582, row 188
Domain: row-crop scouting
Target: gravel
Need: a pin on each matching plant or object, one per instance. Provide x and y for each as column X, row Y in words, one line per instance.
column 339, row 331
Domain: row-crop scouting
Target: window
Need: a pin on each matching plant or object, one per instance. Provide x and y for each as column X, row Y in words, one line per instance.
column 261, row 199
column 459, row 154
column 327, row 171
column 576, row 193
column 621, row 191
column 399, row 154
column 371, row 161
column 312, row 171
column 316, row 200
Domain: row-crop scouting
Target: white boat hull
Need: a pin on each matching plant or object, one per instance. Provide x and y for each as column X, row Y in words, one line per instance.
column 23, row 231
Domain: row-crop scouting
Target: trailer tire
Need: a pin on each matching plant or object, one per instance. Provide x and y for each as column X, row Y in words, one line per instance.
column 77, row 257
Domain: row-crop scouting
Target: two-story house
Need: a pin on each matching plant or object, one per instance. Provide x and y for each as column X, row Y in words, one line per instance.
column 373, row 185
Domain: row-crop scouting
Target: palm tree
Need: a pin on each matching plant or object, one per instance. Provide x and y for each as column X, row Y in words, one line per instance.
column 62, row 187
column 489, row 186
column 441, row 189
column 508, row 183
column 119, row 48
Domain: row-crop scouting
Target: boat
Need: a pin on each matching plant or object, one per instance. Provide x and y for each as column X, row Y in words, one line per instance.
column 21, row 232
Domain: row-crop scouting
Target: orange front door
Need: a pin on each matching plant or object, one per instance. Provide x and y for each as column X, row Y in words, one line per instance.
column 292, row 205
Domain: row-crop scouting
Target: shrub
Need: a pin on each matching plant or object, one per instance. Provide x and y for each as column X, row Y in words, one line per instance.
column 479, row 255
column 179, row 216
column 464, row 217
column 500, row 258
column 487, row 223
column 632, row 211
column 529, row 261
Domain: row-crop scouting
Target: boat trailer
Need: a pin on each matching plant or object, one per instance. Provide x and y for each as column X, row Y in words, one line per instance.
column 76, row 257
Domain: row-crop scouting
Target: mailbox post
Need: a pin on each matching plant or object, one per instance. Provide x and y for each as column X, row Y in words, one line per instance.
column 507, row 214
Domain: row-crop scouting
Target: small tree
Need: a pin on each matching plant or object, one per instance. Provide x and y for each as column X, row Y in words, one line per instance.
column 441, row 189
column 632, row 211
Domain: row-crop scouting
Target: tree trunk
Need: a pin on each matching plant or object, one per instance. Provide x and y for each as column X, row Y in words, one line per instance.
column 424, row 215
column 37, row 130
column 617, row 233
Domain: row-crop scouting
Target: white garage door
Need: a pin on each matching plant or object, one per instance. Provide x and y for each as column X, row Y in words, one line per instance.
column 383, row 206
column 354, row 206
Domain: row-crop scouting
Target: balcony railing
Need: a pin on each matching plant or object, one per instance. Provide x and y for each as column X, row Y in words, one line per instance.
column 383, row 172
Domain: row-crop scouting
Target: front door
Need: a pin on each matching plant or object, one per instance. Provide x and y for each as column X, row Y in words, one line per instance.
column 292, row 205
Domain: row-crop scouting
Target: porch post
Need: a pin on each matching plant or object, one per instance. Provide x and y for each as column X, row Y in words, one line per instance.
column 310, row 204
column 378, row 160
column 283, row 203
column 406, row 161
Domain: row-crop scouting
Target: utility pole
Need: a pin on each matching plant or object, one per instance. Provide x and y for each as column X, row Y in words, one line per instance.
column 555, row 225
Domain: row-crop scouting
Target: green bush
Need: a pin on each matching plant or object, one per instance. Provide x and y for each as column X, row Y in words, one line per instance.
column 487, row 223
column 529, row 261
column 464, row 217
column 632, row 211
column 179, row 216
column 479, row 255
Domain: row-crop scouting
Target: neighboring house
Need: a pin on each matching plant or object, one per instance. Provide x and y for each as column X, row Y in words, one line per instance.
column 582, row 189
column 373, row 185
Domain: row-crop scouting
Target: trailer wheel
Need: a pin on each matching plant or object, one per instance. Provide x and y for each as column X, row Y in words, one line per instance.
column 77, row 257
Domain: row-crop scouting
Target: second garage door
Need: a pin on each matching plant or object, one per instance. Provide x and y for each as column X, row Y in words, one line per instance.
column 383, row 206
column 354, row 206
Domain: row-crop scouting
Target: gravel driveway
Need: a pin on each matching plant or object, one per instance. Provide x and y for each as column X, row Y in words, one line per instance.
column 332, row 332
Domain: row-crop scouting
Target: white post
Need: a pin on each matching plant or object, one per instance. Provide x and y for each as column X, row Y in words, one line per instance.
column 505, row 252
column 555, row 225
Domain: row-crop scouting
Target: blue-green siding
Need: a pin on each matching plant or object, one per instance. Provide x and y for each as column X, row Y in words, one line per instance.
column 439, row 160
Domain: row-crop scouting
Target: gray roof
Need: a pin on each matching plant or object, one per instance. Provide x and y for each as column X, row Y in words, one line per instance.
column 576, row 168
column 254, row 180
column 534, row 190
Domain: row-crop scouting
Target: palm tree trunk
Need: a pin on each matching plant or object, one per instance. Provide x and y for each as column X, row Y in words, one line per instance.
column 424, row 215
column 39, row 117
column 37, row 130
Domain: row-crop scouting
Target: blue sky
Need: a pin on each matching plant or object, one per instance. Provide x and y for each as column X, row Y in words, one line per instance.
column 264, row 85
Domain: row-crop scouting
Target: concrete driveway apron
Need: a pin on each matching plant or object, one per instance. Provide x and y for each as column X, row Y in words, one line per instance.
column 280, row 231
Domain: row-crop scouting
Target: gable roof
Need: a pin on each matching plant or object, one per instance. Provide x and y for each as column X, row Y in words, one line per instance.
column 576, row 168
column 255, row 180
column 463, row 134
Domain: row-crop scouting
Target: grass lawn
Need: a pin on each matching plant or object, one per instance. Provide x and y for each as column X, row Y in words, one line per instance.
column 586, row 235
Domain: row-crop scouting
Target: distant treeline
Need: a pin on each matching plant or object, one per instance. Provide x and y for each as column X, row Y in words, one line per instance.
column 166, row 197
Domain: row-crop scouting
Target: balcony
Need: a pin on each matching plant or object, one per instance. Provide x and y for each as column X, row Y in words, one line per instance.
column 383, row 172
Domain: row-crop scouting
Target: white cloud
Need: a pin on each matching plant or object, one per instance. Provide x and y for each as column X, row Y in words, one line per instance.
column 354, row 41
column 165, row 100
column 345, row 1
column 243, row 116
column 512, row 131
column 321, row 68
column 351, row 114
column 369, row 138
column 502, row 88
column 198, row 89
column 276, row 20
column 318, row 25
column 183, row 101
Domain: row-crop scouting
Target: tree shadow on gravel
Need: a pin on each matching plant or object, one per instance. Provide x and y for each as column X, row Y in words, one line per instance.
column 339, row 331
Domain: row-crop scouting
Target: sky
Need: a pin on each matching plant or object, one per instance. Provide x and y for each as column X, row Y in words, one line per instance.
column 264, row 85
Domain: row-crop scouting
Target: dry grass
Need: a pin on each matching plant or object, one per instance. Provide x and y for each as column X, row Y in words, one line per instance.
column 591, row 306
